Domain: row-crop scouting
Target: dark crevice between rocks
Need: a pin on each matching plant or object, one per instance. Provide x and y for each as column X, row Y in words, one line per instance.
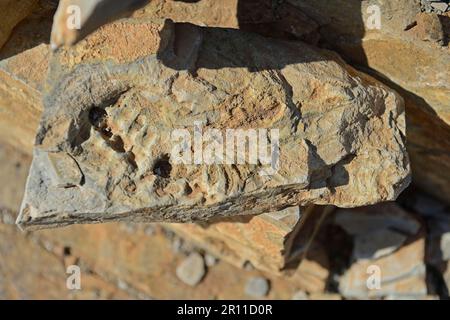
column 162, row 167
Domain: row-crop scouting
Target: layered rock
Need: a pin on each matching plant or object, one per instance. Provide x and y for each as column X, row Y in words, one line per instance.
column 22, row 81
column 125, row 260
column 409, row 52
column 394, row 41
column 340, row 134
column 270, row 241
column 388, row 253
column 234, row 240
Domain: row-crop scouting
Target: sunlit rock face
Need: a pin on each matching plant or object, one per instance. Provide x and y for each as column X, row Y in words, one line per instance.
column 143, row 131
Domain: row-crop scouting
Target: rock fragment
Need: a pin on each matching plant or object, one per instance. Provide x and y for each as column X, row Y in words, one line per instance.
column 257, row 287
column 192, row 270
column 388, row 267
column 210, row 260
column 338, row 129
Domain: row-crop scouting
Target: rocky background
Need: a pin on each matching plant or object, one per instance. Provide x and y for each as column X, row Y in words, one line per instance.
column 314, row 250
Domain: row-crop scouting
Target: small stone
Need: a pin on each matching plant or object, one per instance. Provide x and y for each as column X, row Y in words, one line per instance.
column 192, row 270
column 427, row 205
column 300, row 295
column 439, row 6
column 248, row 266
column 210, row 260
column 257, row 287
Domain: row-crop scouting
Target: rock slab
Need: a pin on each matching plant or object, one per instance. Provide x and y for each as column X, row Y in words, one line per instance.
column 113, row 105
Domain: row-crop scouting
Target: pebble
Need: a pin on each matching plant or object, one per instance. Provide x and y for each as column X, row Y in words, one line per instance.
column 210, row 260
column 300, row 295
column 192, row 270
column 257, row 287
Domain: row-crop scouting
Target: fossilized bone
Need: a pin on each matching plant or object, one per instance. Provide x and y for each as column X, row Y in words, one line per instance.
column 75, row 19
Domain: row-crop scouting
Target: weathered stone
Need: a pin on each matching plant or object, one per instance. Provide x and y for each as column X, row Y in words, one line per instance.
column 257, row 287
column 396, row 55
column 192, row 270
column 22, row 79
column 341, row 133
column 135, row 259
column 397, row 262
column 148, row 264
column 265, row 240
column 393, row 51
column 210, row 260
column 13, row 11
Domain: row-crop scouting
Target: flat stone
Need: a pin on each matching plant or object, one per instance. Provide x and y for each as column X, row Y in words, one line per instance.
column 389, row 247
column 441, row 6
column 377, row 244
column 65, row 170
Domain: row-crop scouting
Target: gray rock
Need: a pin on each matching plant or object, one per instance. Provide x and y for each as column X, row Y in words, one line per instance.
column 192, row 270
column 377, row 244
column 257, row 287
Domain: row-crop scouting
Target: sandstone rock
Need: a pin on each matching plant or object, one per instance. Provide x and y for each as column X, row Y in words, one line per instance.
column 274, row 19
column 265, row 240
column 398, row 264
column 147, row 263
column 135, row 265
column 13, row 11
column 28, row 271
column 397, row 55
column 22, row 80
column 341, row 133
column 257, row 287
column 192, row 270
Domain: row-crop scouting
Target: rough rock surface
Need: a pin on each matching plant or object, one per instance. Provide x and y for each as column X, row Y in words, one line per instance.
column 341, row 134
column 269, row 242
column 409, row 52
column 22, row 79
column 264, row 240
